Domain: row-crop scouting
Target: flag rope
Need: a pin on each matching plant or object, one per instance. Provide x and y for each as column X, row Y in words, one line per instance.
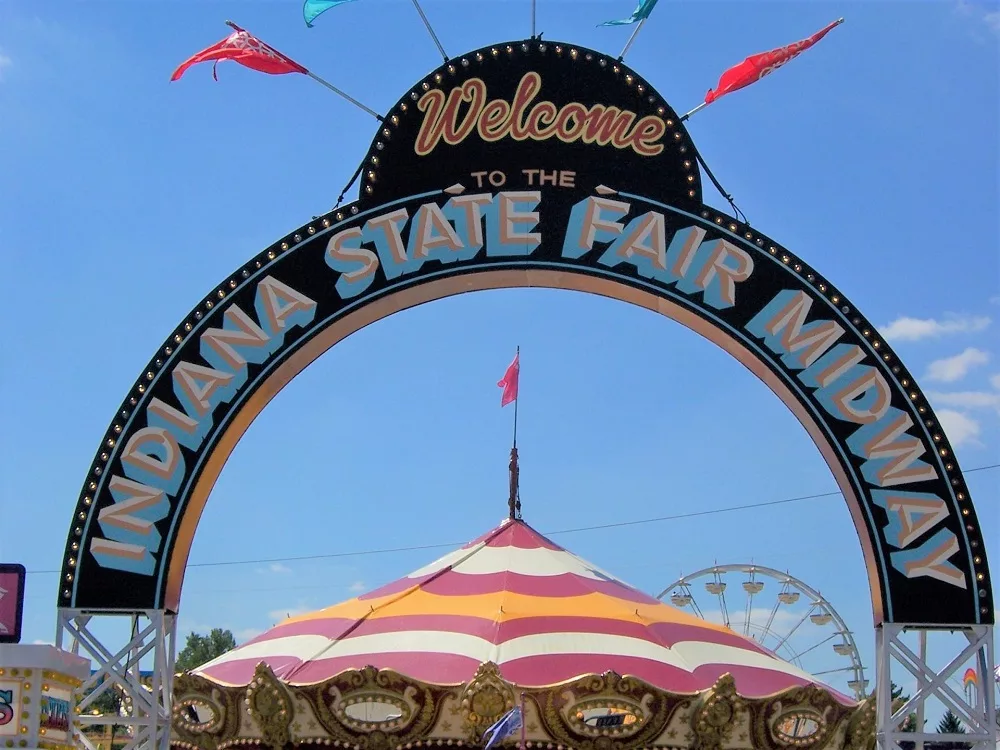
column 340, row 198
column 718, row 186
column 430, row 30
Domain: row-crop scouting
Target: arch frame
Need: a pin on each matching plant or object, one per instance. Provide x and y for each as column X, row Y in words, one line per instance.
column 520, row 269
column 266, row 300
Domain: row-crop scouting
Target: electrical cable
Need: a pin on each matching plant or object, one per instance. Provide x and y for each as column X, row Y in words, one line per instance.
column 598, row 527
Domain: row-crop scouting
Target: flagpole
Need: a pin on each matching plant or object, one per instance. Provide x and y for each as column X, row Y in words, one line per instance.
column 514, row 500
column 631, row 40
column 430, row 30
column 518, row 358
column 532, row 19
column 315, row 77
column 343, row 94
column 693, row 111
column 755, row 67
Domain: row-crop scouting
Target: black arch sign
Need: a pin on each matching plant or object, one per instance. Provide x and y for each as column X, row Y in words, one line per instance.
column 529, row 164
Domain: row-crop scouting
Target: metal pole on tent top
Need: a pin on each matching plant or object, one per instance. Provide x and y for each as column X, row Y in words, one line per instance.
column 510, row 385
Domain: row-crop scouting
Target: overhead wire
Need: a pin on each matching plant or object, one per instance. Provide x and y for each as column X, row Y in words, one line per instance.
column 578, row 529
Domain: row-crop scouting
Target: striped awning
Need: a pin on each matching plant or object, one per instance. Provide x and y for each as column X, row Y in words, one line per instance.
column 513, row 597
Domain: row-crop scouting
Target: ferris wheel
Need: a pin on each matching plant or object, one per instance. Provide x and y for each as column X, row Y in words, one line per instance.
column 781, row 613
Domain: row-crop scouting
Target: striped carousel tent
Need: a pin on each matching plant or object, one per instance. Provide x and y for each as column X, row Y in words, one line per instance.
column 509, row 623
column 515, row 599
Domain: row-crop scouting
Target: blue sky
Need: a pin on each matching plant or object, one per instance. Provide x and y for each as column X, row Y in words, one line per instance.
column 873, row 156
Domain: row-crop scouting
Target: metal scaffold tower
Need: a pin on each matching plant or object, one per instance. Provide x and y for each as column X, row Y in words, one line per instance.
column 893, row 651
column 144, row 704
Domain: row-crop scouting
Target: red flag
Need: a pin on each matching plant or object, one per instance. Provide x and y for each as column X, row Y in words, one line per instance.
column 244, row 48
column 757, row 66
column 509, row 381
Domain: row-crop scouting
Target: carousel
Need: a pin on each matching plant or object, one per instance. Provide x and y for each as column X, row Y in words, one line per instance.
column 510, row 620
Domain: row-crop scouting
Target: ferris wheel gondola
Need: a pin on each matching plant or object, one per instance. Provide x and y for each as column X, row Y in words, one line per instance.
column 795, row 624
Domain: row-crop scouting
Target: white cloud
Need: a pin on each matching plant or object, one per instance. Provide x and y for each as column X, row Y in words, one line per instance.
column 976, row 9
column 967, row 399
column 995, row 381
column 5, row 62
column 358, row 587
column 961, row 429
column 242, row 636
column 950, row 369
column 916, row 329
column 279, row 568
column 42, row 643
column 184, row 627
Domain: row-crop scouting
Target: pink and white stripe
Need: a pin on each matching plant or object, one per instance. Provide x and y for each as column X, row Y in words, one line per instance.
column 542, row 614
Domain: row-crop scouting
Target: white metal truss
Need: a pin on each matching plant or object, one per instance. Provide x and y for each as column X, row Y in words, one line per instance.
column 145, row 708
column 980, row 720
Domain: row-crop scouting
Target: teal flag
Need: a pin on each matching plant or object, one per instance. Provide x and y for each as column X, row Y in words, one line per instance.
column 641, row 13
column 313, row 8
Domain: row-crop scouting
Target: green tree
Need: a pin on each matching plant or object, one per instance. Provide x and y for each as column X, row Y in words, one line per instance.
column 108, row 703
column 897, row 694
column 200, row 649
column 951, row 724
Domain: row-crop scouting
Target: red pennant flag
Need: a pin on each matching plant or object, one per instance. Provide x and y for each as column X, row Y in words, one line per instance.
column 509, row 381
column 757, row 66
column 247, row 50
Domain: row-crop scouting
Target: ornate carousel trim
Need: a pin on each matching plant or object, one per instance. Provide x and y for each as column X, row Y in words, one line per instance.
column 271, row 715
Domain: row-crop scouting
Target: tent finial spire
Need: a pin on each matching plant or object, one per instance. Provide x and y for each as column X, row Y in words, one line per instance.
column 514, row 499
